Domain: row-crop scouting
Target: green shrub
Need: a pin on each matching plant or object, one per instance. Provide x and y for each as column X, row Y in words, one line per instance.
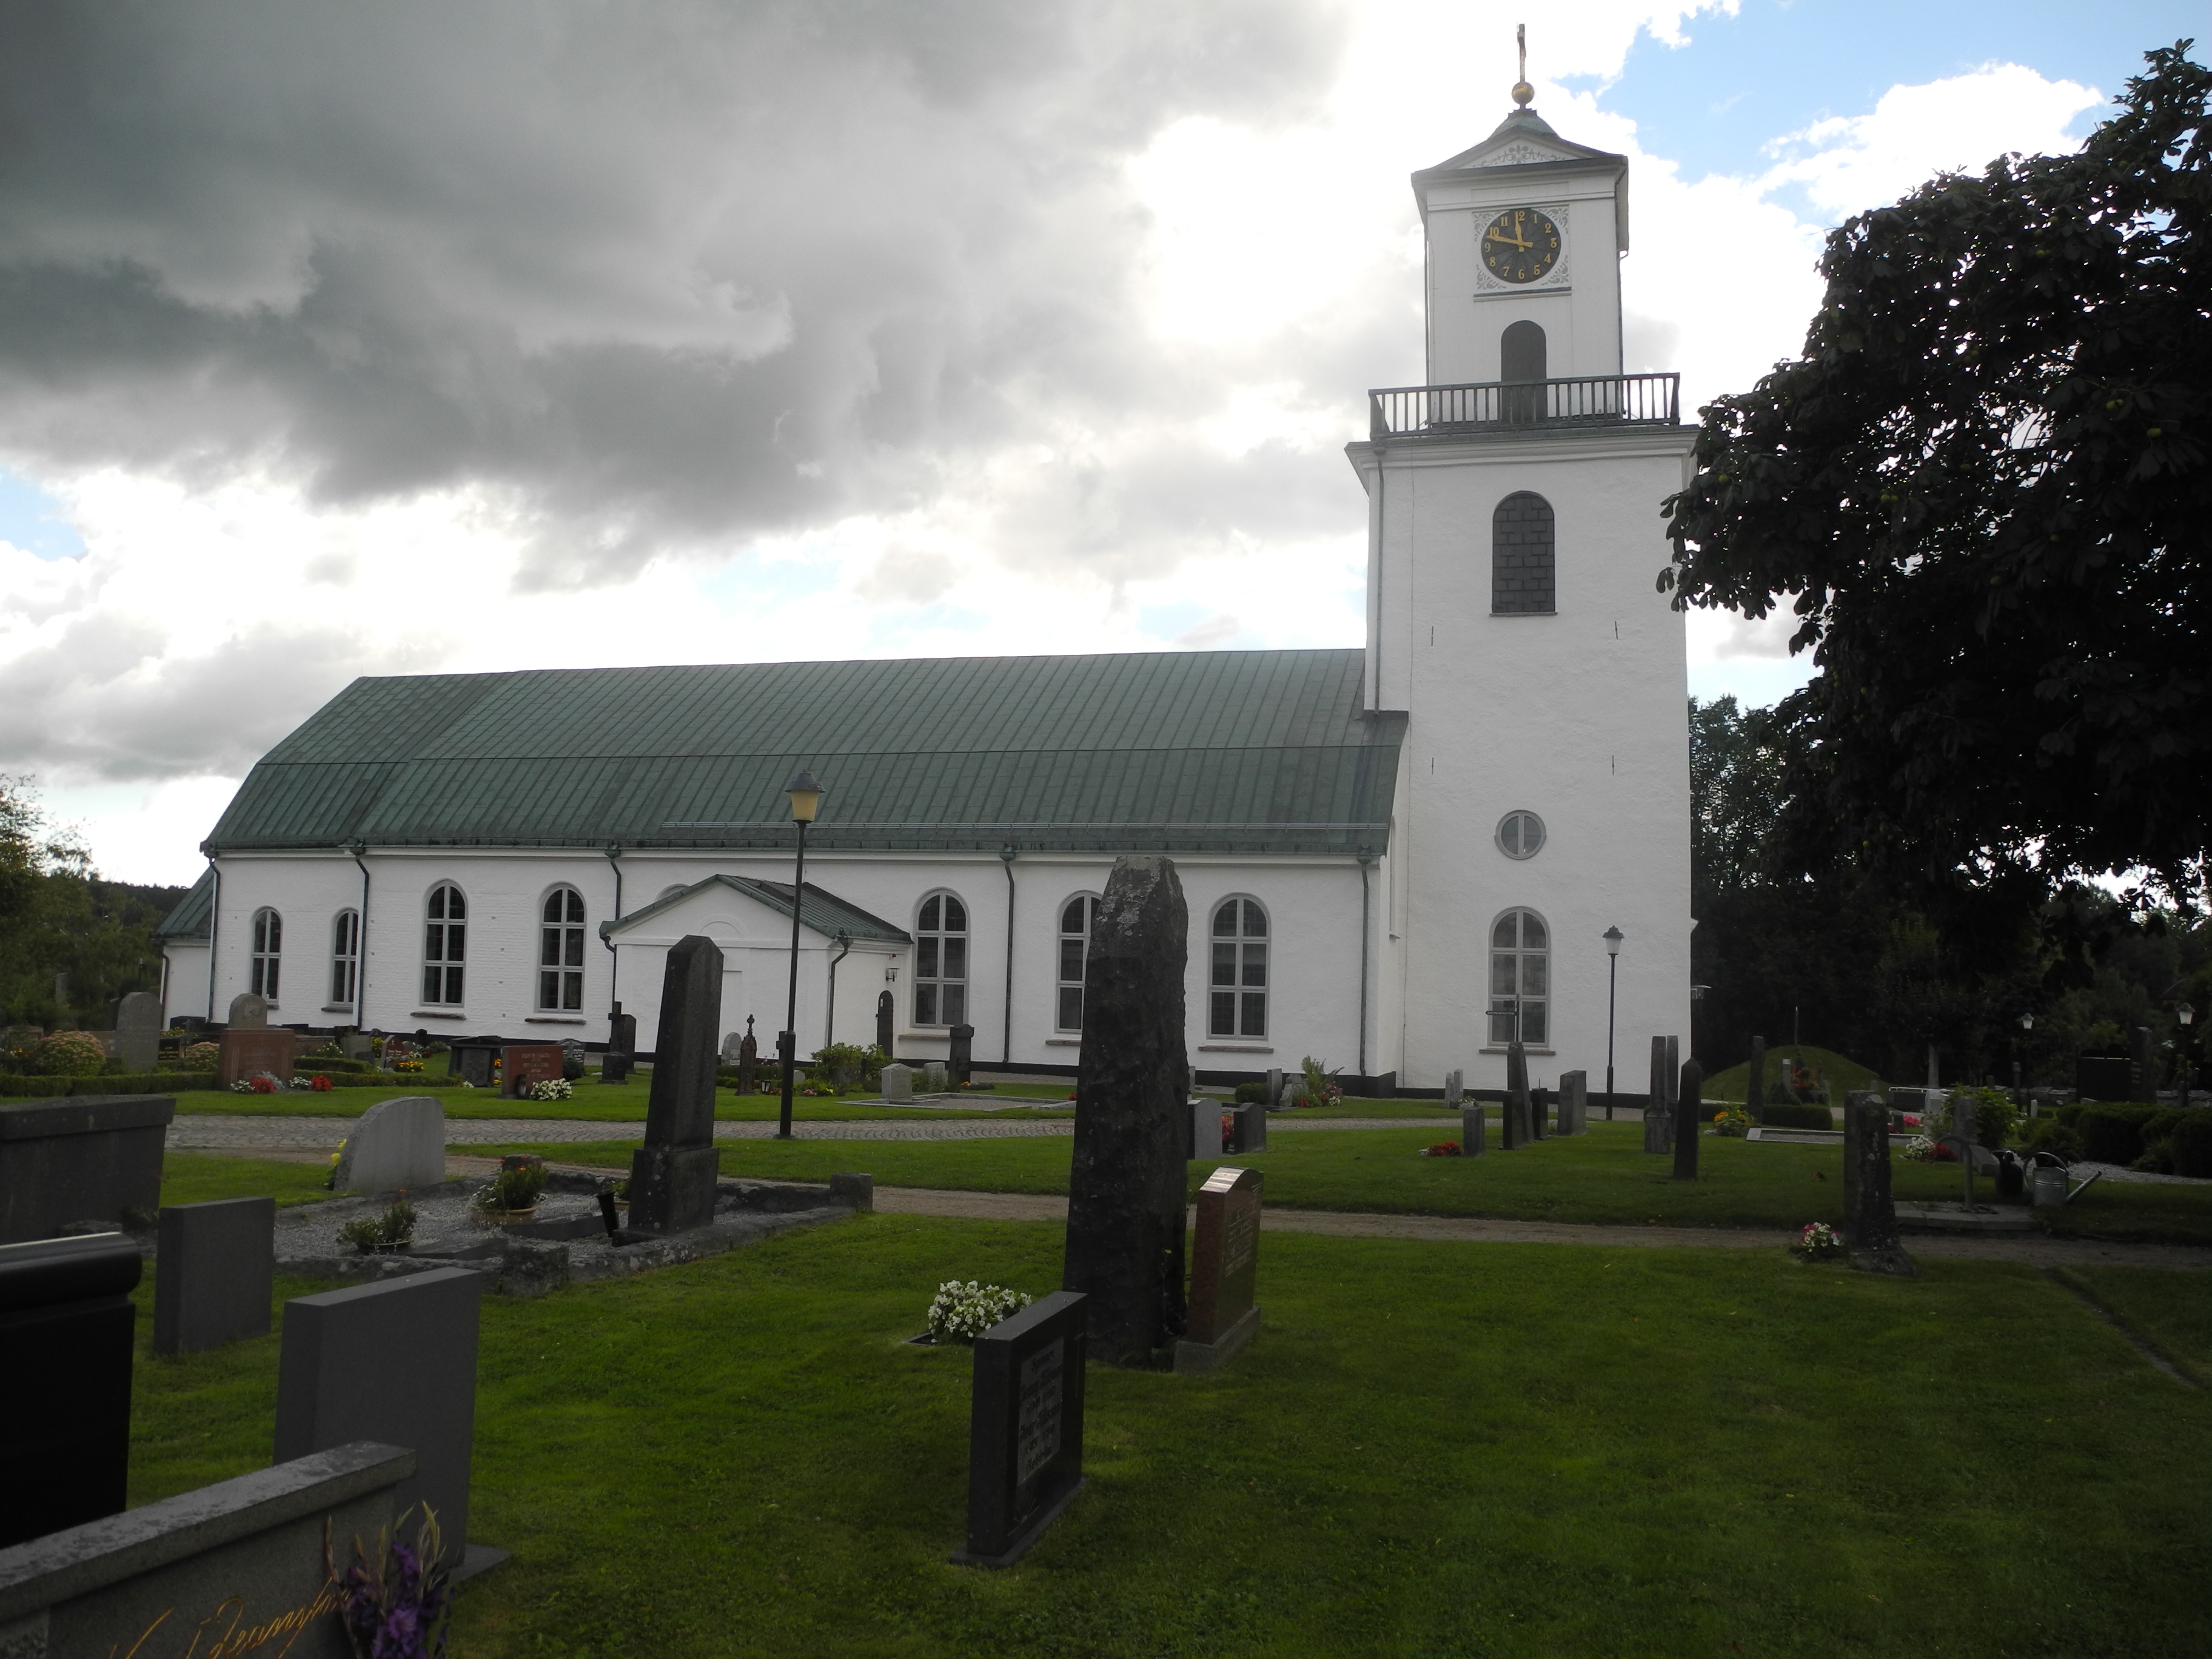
column 1781, row 1115
column 143, row 1083
column 2053, row 1134
column 2190, row 1143
column 68, row 1054
column 1253, row 1093
column 2112, row 1132
column 1995, row 1117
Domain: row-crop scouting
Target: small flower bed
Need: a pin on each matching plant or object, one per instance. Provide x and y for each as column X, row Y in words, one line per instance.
column 1732, row 1122
column 409, row 1065
column 319, row 1084
column 1817, row 1242
column 1441, row 1148
column 961, row 1313
column 387, row 1231
column 520, row 1181
column 264, row 1085
column 550, row 1088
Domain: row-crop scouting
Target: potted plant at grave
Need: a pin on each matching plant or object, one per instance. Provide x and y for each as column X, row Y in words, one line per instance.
column 1817, row 1242
column 381, row 1235
column 552, row 1088
column 1317, row 1084
column 1731, row 1121
column 511, row 1195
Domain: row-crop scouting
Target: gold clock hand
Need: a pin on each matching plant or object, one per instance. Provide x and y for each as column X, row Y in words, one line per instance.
column 1509, row 241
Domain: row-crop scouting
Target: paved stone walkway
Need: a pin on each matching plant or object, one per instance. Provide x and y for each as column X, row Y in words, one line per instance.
column 229, row 1134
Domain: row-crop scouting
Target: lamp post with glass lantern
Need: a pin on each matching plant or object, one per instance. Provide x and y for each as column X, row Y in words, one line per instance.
column 805, row 797
column 2018, row 1090
column 1612, row 937
column 2185, row 1014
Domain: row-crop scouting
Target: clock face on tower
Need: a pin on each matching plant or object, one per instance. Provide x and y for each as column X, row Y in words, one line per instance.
column 1520, row 245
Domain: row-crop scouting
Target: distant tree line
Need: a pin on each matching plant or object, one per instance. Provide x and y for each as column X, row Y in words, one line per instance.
column 71, row 944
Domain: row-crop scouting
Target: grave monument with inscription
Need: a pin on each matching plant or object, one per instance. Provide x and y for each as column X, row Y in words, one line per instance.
column 1870, row 1229
column 215, row 1267
column 1025, row 1428
column 138, row 1030
column 672, row 1177
column 1224, row 1268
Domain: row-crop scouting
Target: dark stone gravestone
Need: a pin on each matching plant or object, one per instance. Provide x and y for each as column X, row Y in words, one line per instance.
column 1688, row 1101
column 959, row 1064
column 1251, row 1135
column 1671, row 1079
column 86, row 1157
column 622, row 1047
column 1539, row 1112
column 1274, row 1087
column 1754, row 1088
column 66, row 1319
column 1517, row 1113
column 522, row 1064
column 2143, row 1055
column 1471, row 1129
column 1025, row 1426
column 214, row 1269
column 571, row 1059
column 1205, row 1128
column 748, row 1060
column 672, row 1177
column 138, row 1030
column 1125, row 1210
column 1869, row 1212
column 393, row 1362
column 472, row 1062
column 249, row 1013
column 1574, row 1103
column 883, row 1016
column 255, row 1052
column 1225, row 1269
column 397, row 1144
column 727, row 1058
column 1655, row 1121
column 233, row 1568
column 2102, row 1077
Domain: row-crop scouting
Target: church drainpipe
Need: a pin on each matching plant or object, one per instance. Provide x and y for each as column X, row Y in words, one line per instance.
column 1006, row 1011
column 361, row 938
column 1366, row 862
column 215, row 929
column 844, row 950
column 614, row 965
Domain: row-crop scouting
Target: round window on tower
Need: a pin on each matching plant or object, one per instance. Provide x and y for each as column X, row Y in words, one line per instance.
column 1520, row 835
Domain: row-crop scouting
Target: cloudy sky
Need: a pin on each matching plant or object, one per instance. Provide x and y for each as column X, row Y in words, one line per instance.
column 343, row 340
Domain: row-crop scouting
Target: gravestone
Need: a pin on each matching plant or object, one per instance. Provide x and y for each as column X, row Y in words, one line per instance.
column 2142, row 1056
column 732, row 1041
column 393, row 1362
column 249, row 1013
column 242, row 1558
column 1754, row 1088
column 397, row 1144
column 2102, row 1077
column 1539, row 1112
column 66, row 1319
column 898, row 1082
column 1869, row 1212
column 1471, row 1129
column 356, row 1045
column 932, row 1078
column 672, row 1177
column 1274, row 1088
column 1206, row 1128
column 1025, row 1426
column 1516, row 1116
column 571, row 1059
column 1224, row 1268
column 254, row 1051
column 622, row 1047
column 522, row 1064
column 215, row 1266
column 1688, row 1100
column 1671, row 1076
column 1574, row 1103
column 1658, row 1123
column 1962, row 1134
column 472, row 1062
column 86, row 1157
column 1455, row 1089
column 884, row 1013
column 1125, row 1211
column 1251, row 1133
column 960, row 1065
column 138, row 1030
column 748, row 1060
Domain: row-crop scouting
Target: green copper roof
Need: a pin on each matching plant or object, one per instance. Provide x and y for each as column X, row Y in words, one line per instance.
column 190, row 918
column 1228, row 750
column 824, row 912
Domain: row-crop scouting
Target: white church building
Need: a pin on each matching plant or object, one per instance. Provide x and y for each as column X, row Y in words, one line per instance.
column 1394, row 857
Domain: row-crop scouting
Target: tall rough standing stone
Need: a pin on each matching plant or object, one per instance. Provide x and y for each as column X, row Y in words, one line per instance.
column 1754, row 1089
column 1125, row 1210
column 672, row 1177
column 1657, row 1121
column 1869, row 1212
column 1688, row 1104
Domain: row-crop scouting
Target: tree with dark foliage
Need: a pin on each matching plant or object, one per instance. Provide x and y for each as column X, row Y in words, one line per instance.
column 1983, row 486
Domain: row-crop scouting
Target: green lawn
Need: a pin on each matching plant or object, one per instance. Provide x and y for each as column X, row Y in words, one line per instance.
column 594, row 1102
column 1602, row 1177
column 1430, row 1450
column 2172, row 1310
column 199, row 1178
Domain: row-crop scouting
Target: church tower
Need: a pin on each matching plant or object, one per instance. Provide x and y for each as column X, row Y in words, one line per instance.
column 1513, row 538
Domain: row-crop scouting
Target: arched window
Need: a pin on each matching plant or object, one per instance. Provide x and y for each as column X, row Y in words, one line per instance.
column 445, row 947
column 267, row 949
column 1520, row 978
column 1239, row 989
column 1522, row 582
column 345, row 956
column 1520, row 358
column 1075, row 918
column 561, row 952
column 940, row 962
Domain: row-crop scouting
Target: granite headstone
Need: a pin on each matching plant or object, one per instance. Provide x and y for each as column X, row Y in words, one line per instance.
column 215, row 1267
column 1125, row 1212
column 1870, row 1228
column 1656, row 1122
column 1251, row 1131
column 748, row 1060
column 1539, row 1112
column 1574, row 1103
column 249, row 1011
column 898, row 1082
column 138, row 1030
column 932, row 1076
column 66, row 1319
column 1025, row 1426
column 1689, row 1098
column 1455, row 1088
column 255, row 1051
column 671, row 1178
column 85, row 1157
column 1471, row 1129
column 1225, row 1267
column 474, row 1062
column 397, row 1144
column 1206, row 1128
column 1514, row 1117
column 961, row 1065
column 524, row 1065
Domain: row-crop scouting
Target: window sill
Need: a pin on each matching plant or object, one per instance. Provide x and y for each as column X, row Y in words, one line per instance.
column 1502, row 614
column 1063, row 1042
column 1524, row 1050
column 337, row 1008
column 929, row 1034
column 554, row 1019
column 436, row 1013
column 1236, row 1048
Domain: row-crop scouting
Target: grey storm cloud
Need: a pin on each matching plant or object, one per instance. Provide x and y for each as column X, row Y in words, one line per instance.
column 668, row 275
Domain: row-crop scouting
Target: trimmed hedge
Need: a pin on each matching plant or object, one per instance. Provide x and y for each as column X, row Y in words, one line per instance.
column 2192, row 1143
column 143, row 1083
column 2113, row 1133
column 1783, row 1115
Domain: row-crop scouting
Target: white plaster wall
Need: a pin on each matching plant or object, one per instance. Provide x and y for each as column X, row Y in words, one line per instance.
column 185, row 993
column 1577, row 305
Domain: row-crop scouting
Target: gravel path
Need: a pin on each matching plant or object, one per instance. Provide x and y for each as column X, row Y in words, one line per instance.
column 216, row 1133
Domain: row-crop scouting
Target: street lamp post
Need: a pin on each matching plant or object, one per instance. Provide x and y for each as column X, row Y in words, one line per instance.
column 805, row 797
column 1612, row 937
column 2185, row 1014
column 2019, row 1086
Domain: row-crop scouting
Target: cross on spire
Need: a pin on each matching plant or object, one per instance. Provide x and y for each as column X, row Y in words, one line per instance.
column 1522, row 92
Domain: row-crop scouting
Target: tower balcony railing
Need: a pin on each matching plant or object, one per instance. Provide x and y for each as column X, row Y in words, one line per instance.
column 1463, row 411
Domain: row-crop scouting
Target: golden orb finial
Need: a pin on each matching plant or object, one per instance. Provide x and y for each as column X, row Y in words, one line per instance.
column 1522, row 92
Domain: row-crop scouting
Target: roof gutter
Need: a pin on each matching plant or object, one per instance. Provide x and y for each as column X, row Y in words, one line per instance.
column 830, row 1020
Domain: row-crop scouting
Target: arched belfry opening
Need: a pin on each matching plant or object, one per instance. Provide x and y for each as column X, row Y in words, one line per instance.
column 1520, row 352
